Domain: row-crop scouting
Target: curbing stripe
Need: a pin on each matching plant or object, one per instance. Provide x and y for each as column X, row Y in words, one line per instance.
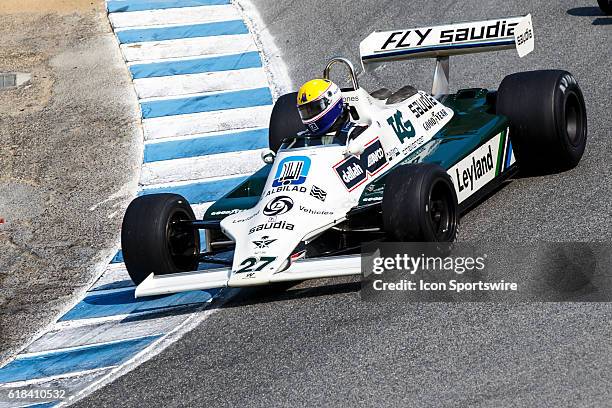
column 209, row 102
column 201, row 191
column 134, row 35
column 119, row 6
column 123, row 302
column 184, row 15
column 63, row 362
column 188, row 48
column 206, row 145
column 196, row 65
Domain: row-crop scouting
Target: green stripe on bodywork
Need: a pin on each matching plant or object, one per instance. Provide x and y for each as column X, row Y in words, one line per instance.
column 500, row 152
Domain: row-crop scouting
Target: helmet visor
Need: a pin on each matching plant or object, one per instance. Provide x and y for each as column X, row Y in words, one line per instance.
column 313, row 109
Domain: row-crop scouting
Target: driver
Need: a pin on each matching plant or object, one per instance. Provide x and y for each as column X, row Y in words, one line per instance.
column 323, row 112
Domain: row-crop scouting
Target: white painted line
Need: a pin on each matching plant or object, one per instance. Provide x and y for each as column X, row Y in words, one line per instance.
column 188, row 47
column 203, row 93
column 216, row 165
column 182, row 15
column 177, row 85
column 105, row 332
column 196, row 123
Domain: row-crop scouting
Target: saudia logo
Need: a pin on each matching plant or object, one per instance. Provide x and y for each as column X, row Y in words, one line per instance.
column 478, row 168
column 273, row 225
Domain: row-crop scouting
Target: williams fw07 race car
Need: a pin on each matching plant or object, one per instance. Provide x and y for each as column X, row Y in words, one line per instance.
column 423, row 160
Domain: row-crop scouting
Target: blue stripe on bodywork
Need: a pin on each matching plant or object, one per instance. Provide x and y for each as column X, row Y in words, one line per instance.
column 184, row 31
column 200, row 192
column 206, row 103
column 206, row 145
column 437, row 48
column 115, row 6
column 196, row 65
column 123, row 302
column 80, row 359
column 509, row 154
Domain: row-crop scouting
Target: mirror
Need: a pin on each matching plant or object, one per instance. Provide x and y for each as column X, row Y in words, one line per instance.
column 268, row 156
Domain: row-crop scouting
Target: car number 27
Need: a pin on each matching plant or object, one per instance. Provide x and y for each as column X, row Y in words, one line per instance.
column 248, row 265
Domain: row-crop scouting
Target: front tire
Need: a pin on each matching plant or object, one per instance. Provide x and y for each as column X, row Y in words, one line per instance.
column 154, row 238
column 548, row 123
column 420, row 204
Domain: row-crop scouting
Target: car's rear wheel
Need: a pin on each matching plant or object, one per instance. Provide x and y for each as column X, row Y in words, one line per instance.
column 285, row 120
column 155, row 237
column 420, row 204
column 548, row 122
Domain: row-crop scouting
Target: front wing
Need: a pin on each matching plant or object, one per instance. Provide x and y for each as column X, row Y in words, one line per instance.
column 218, row 278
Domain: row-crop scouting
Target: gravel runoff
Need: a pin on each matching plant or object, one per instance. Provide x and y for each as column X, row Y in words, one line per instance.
column 70, row 150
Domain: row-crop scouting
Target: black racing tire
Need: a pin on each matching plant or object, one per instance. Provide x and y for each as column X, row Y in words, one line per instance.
column 548, row 122
column 420, row 204
column 285, row 121
column 605, row 6
column 152, row 239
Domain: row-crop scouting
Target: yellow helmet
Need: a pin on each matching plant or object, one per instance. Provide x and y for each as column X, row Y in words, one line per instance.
column 320, row 104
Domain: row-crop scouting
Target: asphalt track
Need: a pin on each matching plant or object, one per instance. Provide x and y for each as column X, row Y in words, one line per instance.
column 319, row 344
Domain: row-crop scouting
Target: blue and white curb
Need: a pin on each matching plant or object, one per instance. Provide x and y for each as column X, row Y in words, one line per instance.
column 205, row 73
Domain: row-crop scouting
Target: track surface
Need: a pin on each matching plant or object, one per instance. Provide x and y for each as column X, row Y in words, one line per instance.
column 319, row 344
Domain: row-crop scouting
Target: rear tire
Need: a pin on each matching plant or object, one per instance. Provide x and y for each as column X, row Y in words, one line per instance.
column 285, row 121
column 152, row 239
column 420, row 204
column 548, row 123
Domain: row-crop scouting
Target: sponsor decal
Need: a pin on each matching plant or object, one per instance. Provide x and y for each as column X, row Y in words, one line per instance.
column 477, row 169
column 286, row 189
column 264, row 242
column 406, row 38
column 367, row 199
column 250, row 217
column 499, row 29
column 422, row 105
column 227, row 212
column 315, row 212
column 436, row 117
column 312, row 126
column 403, row 129
column 283, row 225
column 291, row 171
column 318, row 193
column 355, row 170
column 277, row 206
column 350, row 99
column 393, row 153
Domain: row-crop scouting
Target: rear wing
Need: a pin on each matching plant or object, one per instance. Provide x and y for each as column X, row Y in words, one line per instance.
column 440, row 42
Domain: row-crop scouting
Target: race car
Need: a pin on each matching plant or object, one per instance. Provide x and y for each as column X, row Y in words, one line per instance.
column 424, row 159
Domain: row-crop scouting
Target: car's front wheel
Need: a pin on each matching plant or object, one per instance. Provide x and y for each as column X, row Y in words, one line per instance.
column 420, row 204
column 605, row 6
column 156, row 237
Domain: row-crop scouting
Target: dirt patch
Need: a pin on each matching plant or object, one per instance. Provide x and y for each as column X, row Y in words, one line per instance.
column 49, row 6
column 69, row 140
